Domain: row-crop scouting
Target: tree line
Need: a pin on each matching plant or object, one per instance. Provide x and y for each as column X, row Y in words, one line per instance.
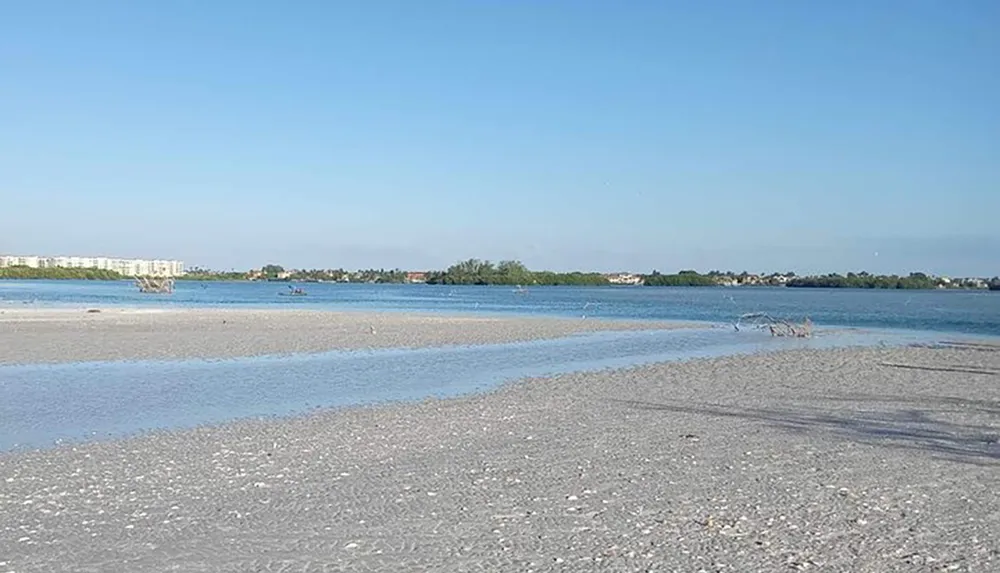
column 279, row 273
column 481, row 272
column 683, row 278
column 866, row 281
column 200, row 274
column 513, row 272
column 59, row 273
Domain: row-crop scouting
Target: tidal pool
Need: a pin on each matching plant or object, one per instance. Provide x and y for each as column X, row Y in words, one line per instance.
column 44, row 405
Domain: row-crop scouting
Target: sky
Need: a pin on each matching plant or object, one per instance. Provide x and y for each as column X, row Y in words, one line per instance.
column 568, row 134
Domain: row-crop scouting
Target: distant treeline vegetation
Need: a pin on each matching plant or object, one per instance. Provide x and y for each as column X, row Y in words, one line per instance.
column 30, row 273
column 279, row 273
column 469, row 272
column 865, row 280
column 512, row 272
column 479, row 272
column 378, row 276
column 683, row 278
column 199, row 274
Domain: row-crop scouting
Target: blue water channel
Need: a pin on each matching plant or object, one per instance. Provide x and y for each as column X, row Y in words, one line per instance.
column 967, row 311
column 44, row 405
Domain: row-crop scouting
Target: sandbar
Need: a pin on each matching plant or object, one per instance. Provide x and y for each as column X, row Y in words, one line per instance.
column 882, row 459
column 72, row 335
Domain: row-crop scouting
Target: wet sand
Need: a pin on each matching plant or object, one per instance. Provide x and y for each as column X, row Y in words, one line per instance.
column 842, row 460
column 49, row 336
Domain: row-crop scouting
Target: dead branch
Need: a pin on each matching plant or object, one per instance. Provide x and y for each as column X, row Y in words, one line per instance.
column 155, row 284
column 776, row 326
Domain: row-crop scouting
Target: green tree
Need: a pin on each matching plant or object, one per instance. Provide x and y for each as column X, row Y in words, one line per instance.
column 865, row 280
column 513, row 272
column 272, row 271
column 683, row 278
column 482, row 272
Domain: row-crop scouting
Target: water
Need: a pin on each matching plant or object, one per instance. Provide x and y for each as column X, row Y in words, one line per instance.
column 47, row 403
column 974, row 312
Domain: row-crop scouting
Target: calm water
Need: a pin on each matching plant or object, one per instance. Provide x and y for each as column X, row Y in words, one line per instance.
column 976, row 312
column 43, row 404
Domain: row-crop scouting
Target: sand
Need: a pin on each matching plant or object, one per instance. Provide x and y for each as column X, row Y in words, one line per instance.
column 56, row 335
column 842, row 460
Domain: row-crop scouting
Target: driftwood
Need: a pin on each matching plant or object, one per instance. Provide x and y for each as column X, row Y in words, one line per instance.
column 776, row 326
column 155, row 284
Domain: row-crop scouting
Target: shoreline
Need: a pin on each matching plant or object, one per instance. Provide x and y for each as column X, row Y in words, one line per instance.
column 862, row 459
column 89, row 335
column 50, row 336
column 191, row 280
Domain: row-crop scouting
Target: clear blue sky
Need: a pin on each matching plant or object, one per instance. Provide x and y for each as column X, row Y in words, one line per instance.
column 766, row 135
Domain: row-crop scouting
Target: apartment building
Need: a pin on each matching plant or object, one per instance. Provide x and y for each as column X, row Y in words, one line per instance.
column 127, row 267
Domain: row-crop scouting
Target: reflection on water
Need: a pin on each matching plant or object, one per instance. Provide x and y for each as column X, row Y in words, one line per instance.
column 45, row 403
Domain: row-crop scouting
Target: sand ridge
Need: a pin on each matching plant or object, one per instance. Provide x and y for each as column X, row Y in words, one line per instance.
column 69, row 335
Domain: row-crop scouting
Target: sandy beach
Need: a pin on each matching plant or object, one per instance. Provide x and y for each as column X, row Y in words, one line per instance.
column 63, row 335
column 841, row 460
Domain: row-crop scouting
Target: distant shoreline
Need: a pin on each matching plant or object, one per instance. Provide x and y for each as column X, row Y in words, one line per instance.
column 515, row 274
column 987, row 287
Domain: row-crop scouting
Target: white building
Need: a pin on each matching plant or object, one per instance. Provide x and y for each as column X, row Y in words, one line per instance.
column 624, row 279
column 19, row 261
column 127, row 267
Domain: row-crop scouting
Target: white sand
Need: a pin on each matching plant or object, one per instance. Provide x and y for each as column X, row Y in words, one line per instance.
column 57, row 335
column 849, row 460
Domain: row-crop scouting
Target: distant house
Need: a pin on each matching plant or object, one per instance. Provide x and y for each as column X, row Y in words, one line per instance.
column 416, row 277
column 624, row 279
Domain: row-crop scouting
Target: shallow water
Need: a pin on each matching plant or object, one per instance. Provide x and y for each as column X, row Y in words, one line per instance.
column 44, row 404
column 944, row 311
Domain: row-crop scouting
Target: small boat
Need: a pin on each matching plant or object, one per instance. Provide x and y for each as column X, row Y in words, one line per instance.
column 293, row 291
column 520, row 290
